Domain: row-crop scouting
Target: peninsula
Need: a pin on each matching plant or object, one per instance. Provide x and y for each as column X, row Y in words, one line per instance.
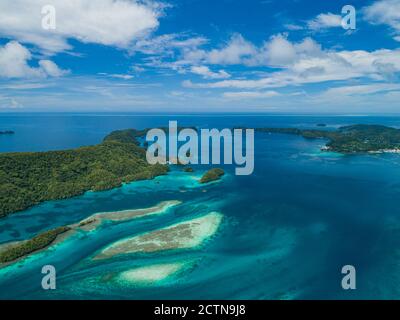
column 29, row 178
column 358, row 138
column 13, row 251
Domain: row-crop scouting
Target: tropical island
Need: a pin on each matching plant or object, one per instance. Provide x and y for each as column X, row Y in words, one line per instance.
column 29, row 178
column 358, row 138
column 17, row 250
column 11, row 252
column 212, row 175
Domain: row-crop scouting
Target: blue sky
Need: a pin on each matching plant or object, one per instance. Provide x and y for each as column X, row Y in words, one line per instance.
column 200, row 56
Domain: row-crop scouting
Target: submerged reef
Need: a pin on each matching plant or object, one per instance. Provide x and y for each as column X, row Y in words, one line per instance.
column 95, row 220
column 152, row 274
column 183, row 235
column 14, row 251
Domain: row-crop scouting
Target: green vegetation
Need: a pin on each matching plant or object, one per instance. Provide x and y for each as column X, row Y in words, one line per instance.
column 212, row 175
column 350, row 139
column 125, row 136
column 26, row 247
column 29, row 178
column 188, row 169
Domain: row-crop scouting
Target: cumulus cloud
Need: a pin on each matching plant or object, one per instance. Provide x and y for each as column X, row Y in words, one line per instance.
column 14, row 59
column 386, row 12
column 233, row 53
column 107, row 22
column 305, row 62
column 277, row 51
column 206, row 73
column 50, row 68
column 236, row 51
column 325, row 21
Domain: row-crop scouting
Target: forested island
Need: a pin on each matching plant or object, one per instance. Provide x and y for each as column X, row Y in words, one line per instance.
column 358, row 138
column 28, row 178
column 23, row 248
column 11, row 252
column 212, row 175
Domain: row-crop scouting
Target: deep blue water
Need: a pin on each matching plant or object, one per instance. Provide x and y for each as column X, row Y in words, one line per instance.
column 287, row 231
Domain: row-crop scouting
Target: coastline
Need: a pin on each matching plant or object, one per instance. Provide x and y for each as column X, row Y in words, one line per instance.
column 116, row 160
column 90, row 224
column 188, row 234
column 95, row 220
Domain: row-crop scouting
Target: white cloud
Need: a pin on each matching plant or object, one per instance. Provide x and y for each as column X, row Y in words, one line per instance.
column 233, row 53
column 122, row 76
column 24, row 86
column 7, row 103
column 236, row 51
column 305, row 62
column 51, row 69
column 107, row 22
column 250, row 94
column 365, row 89
column 206, row 73
column 166, row 44
column 385, row 12
column 14, row 60
column 137, row 69
column 279, row 51
column 293, row 27
column 325, row 21
column 117, row 75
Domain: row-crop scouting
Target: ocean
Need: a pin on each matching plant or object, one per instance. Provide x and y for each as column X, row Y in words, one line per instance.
column 287, row 229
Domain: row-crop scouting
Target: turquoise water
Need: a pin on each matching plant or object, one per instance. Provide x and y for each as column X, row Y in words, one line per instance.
column 287, row 230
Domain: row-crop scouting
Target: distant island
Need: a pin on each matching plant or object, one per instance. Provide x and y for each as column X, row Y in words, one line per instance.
column 212, row 175
column 358, row 138
column 7, row 132
column 28, row 178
